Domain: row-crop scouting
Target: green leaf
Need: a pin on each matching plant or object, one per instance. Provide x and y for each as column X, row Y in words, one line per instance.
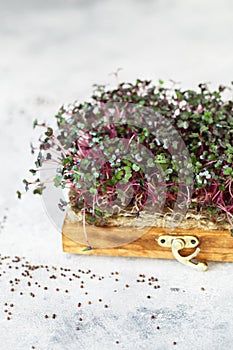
column 35, row 123
column 19, row 194
column 135, row 167
column 57, row 180
column 39, row 190
column 119, row 174
column 33, row 171
column 87, row 249
column 228, row 171
column 93, row 190
column 49, row 132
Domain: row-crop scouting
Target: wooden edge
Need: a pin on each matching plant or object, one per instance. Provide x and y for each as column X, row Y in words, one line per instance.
column 215, row 245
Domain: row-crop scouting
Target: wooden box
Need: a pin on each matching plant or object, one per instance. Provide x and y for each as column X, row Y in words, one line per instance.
column 214, row 244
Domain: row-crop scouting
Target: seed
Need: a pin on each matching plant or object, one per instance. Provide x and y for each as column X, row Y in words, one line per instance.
column 202, row 288
column 79, row 304
column 148, row 296
column 80, row 319
column 77, row 328
column 127, row 286
column 116, row 279
column 57, row 289
column 158, row 327
column 45, row 288
column 174, row 343
column 46, row 316
column 89, row 302
column 11, row 305
column 100, row 300
column 117, row 341
column 106, row 306
column 54, row 316
column 152, row 316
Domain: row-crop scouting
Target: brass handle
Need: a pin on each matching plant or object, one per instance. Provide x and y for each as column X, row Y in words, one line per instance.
column 180, row 242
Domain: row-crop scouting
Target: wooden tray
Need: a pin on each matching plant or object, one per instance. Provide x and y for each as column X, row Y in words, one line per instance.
column 215, row 245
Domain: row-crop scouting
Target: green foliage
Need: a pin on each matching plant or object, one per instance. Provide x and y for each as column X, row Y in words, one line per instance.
column 203, row 118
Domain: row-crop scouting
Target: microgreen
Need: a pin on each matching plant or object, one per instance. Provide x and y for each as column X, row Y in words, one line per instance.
column 203, row 118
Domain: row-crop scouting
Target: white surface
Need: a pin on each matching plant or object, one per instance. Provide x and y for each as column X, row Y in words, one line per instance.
column 52, row 52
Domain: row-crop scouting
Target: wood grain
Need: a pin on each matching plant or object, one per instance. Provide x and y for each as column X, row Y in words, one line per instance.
column 215, row 245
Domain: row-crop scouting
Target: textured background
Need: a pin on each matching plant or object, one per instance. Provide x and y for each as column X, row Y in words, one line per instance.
column 52, row 52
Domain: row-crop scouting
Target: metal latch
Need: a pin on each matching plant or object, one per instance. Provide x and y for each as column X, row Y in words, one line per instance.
column 176, row 243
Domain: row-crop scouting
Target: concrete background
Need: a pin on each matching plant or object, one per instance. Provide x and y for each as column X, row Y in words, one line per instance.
column 52, row 52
